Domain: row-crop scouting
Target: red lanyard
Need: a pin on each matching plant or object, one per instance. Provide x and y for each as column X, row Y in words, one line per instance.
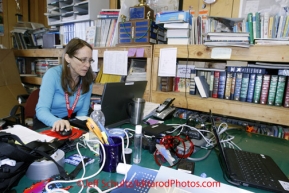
column 70, row 110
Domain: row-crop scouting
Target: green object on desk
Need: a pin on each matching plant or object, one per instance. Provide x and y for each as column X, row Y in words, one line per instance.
column 274, row 147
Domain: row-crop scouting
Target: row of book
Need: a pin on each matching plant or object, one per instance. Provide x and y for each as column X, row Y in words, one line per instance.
column 248, row 87
column 103, row 32
column 37, row 67
column 245, row 84
column 268, row 26
column 260, row 28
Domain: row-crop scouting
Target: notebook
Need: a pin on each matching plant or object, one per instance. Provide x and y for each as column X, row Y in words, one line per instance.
column 250, row 169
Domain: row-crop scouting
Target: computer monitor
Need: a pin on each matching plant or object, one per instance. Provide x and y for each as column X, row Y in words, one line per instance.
column 115, row 100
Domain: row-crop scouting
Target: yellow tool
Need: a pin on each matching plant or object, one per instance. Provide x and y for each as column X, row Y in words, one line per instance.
column 95, row 129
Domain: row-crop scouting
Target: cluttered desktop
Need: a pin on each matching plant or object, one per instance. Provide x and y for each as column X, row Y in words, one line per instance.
column 153, row 153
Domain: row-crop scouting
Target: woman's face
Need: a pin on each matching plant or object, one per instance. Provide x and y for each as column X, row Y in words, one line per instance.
column 80, row 62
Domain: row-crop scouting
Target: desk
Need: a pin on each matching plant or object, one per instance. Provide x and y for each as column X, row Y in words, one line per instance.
column 274, row 147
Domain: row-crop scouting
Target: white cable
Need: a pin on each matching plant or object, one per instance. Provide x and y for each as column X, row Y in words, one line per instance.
column 108, row 190
column 81, row 179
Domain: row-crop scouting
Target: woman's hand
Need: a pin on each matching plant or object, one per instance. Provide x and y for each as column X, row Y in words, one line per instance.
column 60, row 125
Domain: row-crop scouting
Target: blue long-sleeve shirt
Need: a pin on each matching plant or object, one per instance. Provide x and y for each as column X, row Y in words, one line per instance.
column 51, row 104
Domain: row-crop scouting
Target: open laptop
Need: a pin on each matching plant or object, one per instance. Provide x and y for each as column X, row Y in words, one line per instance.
column 250, row 169
column 115, row 100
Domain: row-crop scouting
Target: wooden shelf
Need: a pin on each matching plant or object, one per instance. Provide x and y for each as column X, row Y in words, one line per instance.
column 254, row 53
column 39, row 53
column 31, row 80
column 243, row 110
column 97, row 87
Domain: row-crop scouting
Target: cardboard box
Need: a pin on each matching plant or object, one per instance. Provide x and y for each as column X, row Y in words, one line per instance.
column 10, row 83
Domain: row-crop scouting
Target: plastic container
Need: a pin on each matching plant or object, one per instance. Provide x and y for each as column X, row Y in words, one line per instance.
column 97, row 116
column 137, row 144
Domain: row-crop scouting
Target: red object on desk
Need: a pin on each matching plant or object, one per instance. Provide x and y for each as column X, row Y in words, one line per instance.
column 76, row 133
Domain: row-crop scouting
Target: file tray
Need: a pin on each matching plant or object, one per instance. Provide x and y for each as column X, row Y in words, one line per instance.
column 169, row 17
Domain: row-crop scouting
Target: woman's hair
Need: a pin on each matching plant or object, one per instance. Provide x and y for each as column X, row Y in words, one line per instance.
column 71, row 49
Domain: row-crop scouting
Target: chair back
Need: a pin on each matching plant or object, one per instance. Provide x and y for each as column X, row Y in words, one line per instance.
column 31, row 103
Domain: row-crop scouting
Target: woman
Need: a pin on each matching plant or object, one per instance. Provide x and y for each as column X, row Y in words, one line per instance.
column 66, row 89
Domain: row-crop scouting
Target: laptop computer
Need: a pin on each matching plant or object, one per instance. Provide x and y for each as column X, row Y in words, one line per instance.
column 115, row 100
column 250, row 169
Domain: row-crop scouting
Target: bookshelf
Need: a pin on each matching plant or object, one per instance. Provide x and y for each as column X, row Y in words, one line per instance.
column 243, row 110
column 32, row 54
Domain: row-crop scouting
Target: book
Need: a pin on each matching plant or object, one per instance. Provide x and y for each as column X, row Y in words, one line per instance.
column 166, row 84
column 182, row 84
column 238, row 83
column 244, row 87
column 182, row 79
column 177, row 25
column 228, row 85
column 266, row 25
column 98, row 32
column 109, row 13
column 172, row 16
column 258, row 24
column 222, row 85
column 216, row 84
column 202, row 86
column 107, row 16
column 280, row 90
column 272, row 89
column 90, row 35
column 270, row 26
column 211, row 83
column 233, row 82
column 254, row 25
column 250, row 93
column 181, row 41
column 257, row 88
column 286, row 97
column 250, row 27
column 177, row 33
column 192, row 82
column 265, row 89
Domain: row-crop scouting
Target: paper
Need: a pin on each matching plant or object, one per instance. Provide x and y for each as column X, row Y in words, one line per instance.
column 168, row 62
column 27, row 135
column 115, row 62
column 131, row 52
column 94, row 65
column 188, row 183
column 140, row 52
column 221, row 53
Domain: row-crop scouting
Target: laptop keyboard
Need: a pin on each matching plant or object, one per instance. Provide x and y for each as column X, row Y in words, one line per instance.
column 253, row 169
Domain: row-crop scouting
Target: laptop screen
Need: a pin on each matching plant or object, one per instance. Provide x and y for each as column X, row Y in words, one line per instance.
column 115, row 101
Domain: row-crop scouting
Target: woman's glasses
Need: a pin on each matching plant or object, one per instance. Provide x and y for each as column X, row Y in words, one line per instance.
column 84, row 60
